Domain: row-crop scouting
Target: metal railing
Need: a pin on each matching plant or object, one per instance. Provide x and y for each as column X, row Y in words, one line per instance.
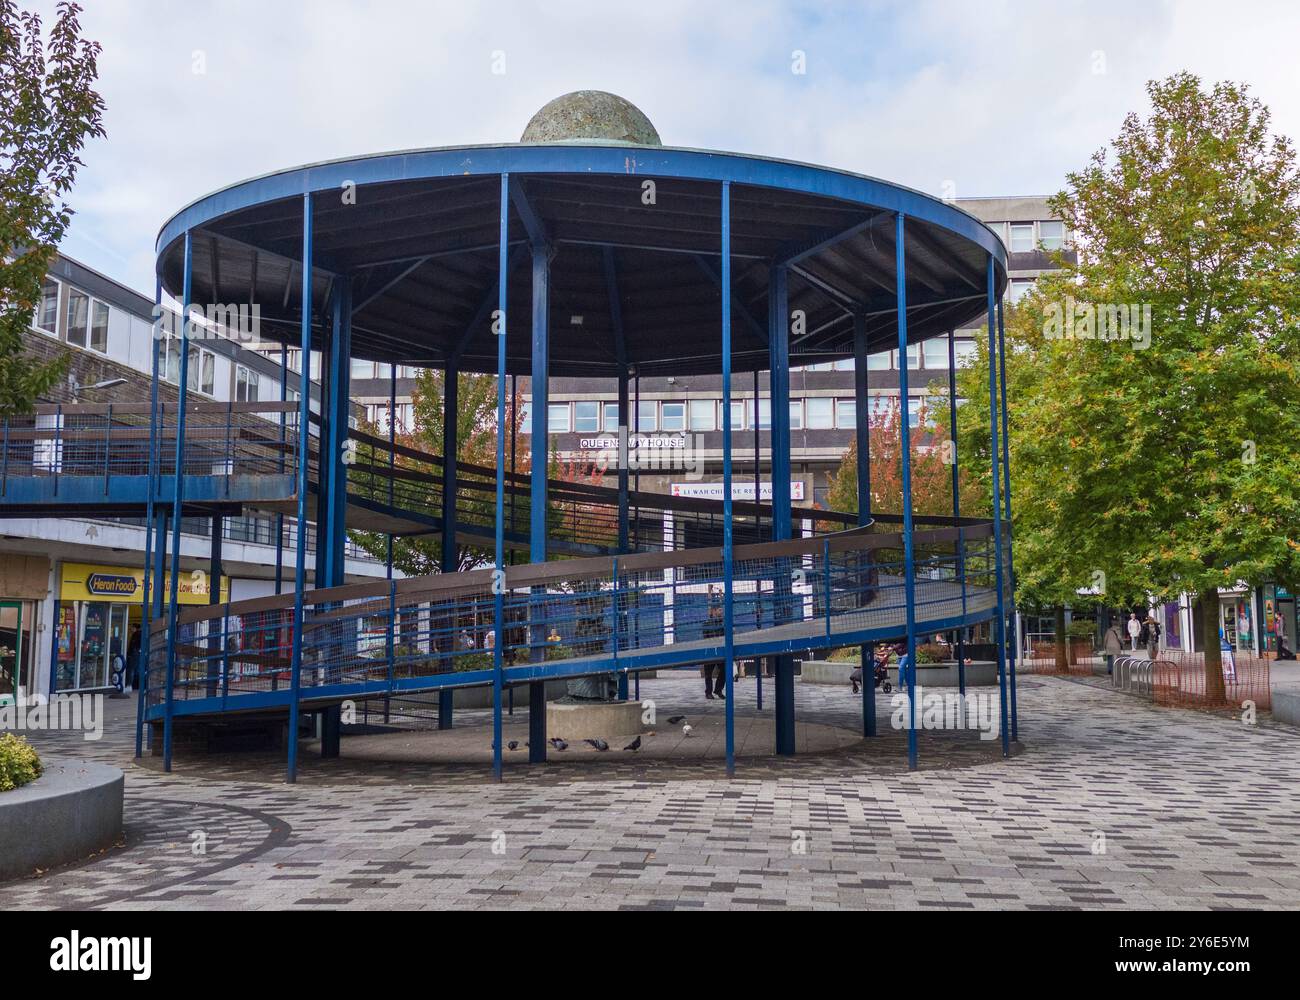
column 598, row 614
column 101, row 442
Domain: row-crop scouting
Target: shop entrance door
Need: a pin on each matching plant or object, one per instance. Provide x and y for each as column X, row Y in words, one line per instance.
column 12, row 652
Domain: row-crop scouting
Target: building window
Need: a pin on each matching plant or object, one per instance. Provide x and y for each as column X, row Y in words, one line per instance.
column 245, row 385
column 844, row 365
column 1022, row 237
column 586, row 417
column 202, row 371
column 704, row 415
column 557, row 418
column 525, row 417
column 913, row 412
column 1051, row 235
column 796, row 414
column 821, row 366
column 821, row 413
column 648, row 416
column 99, row 327
column 737, row 415
column 78, row 313
column 936, row 352
column 880, row 407
column 880, row 362
column 47, row 310
column 764, row 414
column 846, row 414
column 1020, row 287
column 611, row 416
column 362, row 369
column 674, row 417
column 965, row 352
column 913, row 357
column 384, row 371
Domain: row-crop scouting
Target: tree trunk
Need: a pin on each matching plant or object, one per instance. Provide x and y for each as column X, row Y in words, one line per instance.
column 1062, row 642
column 1214, row 688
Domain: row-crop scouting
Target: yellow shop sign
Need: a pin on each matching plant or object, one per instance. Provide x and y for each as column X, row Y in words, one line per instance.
column 123, row 584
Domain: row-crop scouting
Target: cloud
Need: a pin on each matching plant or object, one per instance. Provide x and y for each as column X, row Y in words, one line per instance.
column 999, row 97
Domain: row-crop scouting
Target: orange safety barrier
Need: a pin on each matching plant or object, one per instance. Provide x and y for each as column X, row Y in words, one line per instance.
column 1179, row 679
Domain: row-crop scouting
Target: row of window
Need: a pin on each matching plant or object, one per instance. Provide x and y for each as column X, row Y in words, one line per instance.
column 812, row 413
column 1025, row 237
column 377, row 370
column 85, row 318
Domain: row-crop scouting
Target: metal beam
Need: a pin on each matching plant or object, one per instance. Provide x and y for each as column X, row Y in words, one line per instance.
column 811, row 248
column 754, row 325
column 533, row 224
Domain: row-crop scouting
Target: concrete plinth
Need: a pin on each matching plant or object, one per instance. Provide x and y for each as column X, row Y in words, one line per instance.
column 608, row 720
column 981, row 673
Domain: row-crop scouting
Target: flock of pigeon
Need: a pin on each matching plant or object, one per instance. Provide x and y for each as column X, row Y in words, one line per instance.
column 600, row 745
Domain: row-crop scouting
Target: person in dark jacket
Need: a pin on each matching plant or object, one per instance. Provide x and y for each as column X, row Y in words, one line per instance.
column 134, row 647
column 715, row 674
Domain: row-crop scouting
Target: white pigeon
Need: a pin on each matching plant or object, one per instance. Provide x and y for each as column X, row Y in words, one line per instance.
column 687, row 729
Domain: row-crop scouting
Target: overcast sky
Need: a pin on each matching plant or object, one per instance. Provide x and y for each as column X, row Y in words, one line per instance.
column 996, row 98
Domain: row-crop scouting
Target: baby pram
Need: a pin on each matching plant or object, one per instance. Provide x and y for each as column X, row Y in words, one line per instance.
column 880, row 677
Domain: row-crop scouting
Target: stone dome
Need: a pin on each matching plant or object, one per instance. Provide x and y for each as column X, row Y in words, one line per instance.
column 591, row 114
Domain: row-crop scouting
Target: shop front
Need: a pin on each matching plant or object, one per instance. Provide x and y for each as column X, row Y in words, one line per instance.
column 1278, row 614
column 97, row 619
column 24, row 586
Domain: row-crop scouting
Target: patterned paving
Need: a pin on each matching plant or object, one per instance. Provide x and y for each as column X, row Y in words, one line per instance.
column 1193, row 811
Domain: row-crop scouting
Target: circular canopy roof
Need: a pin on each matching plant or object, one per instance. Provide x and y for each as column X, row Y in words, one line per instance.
column 633, row 233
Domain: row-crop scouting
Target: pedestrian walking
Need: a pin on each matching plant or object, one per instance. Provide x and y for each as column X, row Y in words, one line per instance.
column 1134, row 630
column 1113, row 645
column 1152, row 628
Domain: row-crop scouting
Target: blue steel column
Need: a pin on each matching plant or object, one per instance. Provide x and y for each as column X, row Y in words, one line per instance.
column 178, row 494
column 450, row 444
column 333, row 500
column 778, row 339
column 498, row 587
column 728, row 586
column 997, row 508
column 1006, row 476
column 956, row 507
column 862, row 422
column 624, row 532
column 624, row 528
column 146, row 606
column 279, row 518
column 905, row 430
column 304, row 444
column 537, row 444
column 330, row 555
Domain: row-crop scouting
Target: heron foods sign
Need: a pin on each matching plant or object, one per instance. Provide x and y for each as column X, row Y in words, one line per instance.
column 125, row 585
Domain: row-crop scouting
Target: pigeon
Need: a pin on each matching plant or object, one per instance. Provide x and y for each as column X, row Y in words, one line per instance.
column 634, row 745
column 687, row 730
column 676, row 719
column 512, row 745
column 598, row 743
column 559, row 744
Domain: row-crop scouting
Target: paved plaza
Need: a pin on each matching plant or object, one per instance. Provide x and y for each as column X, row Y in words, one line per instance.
column 1108, row 802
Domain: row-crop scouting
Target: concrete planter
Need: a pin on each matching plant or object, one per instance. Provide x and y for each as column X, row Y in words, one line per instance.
column 608, row 720
column 1286, row 705
column 71, row 811
column 981, row 673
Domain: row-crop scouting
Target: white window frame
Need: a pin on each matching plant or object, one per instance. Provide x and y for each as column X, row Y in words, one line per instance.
column 851, row 422
column 702, row 414
column 58, row 302
column 553, row 410
column 1011, row 237
column 675, row 405
column 818, row 420
column 594, row 418
column 251, row 379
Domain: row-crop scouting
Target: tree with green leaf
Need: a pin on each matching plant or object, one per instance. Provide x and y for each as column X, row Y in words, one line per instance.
column 48, row 111
column 1155, row 381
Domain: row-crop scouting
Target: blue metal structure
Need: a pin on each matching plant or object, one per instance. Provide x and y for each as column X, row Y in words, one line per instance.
column 419, row 269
